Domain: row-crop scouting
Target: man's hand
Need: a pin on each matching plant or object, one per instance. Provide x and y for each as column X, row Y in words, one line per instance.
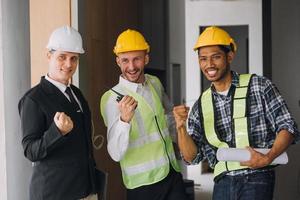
column 257, row 160
column 127, row 107
column 186, row 144
column 180, row 114
column 63, row 122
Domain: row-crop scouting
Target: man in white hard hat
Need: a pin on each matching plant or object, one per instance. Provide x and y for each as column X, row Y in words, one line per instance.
column 56, row 126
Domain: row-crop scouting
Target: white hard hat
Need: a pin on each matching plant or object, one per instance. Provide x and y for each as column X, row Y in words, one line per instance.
column 66, row 39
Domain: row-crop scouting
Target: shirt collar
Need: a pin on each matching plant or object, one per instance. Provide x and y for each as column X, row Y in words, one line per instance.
column 62, row 87
column 235, row 78
column 131, row 85
column 234, row 82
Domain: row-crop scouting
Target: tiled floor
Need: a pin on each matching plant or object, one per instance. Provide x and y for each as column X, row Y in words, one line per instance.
column 202, row 195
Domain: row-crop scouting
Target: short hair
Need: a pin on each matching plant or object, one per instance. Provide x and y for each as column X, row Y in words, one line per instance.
column 226, row 49
column 52, row 51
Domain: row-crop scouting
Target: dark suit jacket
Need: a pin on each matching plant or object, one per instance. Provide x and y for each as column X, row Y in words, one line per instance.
column 63, row 166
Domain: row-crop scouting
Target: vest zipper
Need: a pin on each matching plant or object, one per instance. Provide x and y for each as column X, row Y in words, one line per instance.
column 165, row 145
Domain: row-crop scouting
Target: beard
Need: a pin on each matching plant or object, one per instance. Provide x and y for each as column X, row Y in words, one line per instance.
column 137, row 76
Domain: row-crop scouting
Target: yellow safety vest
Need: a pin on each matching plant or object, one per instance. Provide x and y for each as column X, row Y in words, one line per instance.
column 240, row 122
column 150, row 152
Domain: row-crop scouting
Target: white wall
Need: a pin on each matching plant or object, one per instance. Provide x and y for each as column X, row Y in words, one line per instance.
column 285, row 75
column 14, row 81
column 203, row 13
column 3, row 174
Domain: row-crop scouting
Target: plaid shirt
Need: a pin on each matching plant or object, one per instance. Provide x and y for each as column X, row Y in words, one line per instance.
column 268, row 115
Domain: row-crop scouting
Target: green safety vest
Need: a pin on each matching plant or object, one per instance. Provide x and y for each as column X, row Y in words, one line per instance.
column 240, row 121
column 150, row 151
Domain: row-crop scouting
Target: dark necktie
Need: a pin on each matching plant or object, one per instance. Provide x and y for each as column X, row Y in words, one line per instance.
column 72, row 99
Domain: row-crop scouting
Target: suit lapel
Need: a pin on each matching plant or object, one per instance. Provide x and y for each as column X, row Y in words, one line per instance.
column 86, row 117
column 56, row 95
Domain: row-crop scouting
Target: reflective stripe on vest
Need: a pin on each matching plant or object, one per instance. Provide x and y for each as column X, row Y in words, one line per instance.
column 239, row 116
column 150, row 150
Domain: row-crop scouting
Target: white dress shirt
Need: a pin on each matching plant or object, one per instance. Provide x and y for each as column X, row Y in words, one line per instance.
column 118, row 131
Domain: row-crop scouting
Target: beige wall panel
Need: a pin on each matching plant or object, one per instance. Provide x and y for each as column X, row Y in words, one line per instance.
column 45, row 16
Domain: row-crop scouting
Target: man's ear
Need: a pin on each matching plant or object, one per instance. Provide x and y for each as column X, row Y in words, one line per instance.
column 230, row 56
column 48, row 55
column 147, row 58
column 118, row 61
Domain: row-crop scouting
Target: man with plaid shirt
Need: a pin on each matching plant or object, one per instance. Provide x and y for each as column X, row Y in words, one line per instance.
column 268, row 123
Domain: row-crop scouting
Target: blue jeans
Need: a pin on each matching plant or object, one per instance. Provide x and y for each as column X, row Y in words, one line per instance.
column 257, row 186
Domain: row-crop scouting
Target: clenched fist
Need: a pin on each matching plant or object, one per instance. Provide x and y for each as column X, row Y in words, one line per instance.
column 127, row 107
column 180, row 114
column 63, row 122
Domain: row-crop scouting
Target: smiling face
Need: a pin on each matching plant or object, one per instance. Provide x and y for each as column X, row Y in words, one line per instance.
column 62, row 65
column 215, row 63
column 132, row 65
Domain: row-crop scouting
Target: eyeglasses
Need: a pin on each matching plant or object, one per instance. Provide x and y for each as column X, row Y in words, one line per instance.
column 214, row 58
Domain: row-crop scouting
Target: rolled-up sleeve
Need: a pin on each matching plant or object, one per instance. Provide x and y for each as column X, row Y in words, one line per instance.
column 277, row 112
column 195, row 131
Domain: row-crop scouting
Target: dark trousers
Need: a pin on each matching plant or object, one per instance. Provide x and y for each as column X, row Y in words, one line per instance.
column 258, row 186
column 170, row 188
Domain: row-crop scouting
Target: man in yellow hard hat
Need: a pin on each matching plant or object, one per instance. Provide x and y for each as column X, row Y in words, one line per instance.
column 134, row 112
column 237, row 111
column 56, row 127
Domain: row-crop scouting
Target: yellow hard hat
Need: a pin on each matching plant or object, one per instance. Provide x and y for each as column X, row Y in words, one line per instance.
column 130, row 40
column 215, row 36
